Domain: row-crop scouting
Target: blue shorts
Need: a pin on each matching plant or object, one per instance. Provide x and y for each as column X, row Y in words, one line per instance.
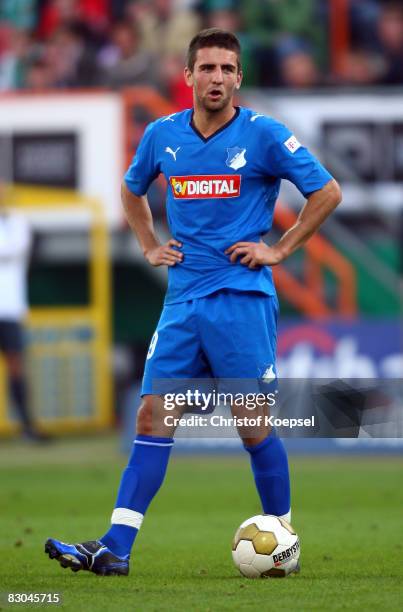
column 227, row 334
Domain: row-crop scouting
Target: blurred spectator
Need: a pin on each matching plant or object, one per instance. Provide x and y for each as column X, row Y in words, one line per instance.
column 390, row 33
column 14, row 59
column 39, row 77
column 71, row 63
column 54, row 13
column 124, row 61
column 358, row 68
column 270, row 22
column 297, row 68
column 164, row 30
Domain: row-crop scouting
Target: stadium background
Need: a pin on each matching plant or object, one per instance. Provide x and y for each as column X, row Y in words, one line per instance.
column 68, row 67
column 79, row 80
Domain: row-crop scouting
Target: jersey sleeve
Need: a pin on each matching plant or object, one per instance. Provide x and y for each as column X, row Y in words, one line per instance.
column 287, row 158
column 144, row 167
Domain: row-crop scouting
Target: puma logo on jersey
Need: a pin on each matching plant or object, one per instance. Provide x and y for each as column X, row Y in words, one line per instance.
column 205, row 186
column 171, row 152
column 169, row 118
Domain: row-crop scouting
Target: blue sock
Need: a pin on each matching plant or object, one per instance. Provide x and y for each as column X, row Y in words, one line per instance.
column 270, row 469
column 140, row 482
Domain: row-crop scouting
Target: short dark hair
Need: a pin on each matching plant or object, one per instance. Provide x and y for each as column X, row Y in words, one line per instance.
column 213, row 37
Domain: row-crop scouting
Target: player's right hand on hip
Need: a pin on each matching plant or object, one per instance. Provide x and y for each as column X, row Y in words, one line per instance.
column 165, row 255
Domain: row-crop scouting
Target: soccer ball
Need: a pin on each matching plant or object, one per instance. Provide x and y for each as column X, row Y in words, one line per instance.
column 266, row 546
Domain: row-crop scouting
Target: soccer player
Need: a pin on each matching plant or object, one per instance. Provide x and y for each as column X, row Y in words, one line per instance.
column 15, row 241
column 223, row 165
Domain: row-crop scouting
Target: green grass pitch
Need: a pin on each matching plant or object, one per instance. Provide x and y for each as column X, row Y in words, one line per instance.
column 347, row 511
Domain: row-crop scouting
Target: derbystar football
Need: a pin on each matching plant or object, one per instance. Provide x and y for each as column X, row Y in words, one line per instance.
column 266, row 546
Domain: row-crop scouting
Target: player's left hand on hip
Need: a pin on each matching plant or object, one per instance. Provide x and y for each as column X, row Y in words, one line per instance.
column 253, row 254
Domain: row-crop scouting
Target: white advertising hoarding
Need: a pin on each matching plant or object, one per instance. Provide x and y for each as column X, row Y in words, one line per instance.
column 359, row 137
column 65, row 140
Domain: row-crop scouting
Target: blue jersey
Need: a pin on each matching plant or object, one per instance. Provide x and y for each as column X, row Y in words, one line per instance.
column 221, row 190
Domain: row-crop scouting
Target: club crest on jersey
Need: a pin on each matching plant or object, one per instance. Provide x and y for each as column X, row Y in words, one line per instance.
column 236, row 158
column 205, row 186
column 268, row 374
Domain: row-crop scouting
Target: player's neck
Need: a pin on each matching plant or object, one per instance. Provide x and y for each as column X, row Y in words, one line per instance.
column 207, row 123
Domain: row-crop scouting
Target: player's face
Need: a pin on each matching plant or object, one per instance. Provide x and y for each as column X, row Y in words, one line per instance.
column 214, row 78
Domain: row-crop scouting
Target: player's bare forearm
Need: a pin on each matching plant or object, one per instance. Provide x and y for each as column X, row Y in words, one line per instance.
column 317, row 208
column 140, row 219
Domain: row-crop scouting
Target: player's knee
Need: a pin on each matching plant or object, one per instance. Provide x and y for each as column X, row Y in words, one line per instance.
column 148, row 415
column 144, row 419
column 255, row 438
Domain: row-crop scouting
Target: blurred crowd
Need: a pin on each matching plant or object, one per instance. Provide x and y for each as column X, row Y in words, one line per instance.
column 48, row 44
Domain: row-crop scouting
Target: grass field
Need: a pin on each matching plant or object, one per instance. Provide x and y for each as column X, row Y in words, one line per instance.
column 348, row 512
